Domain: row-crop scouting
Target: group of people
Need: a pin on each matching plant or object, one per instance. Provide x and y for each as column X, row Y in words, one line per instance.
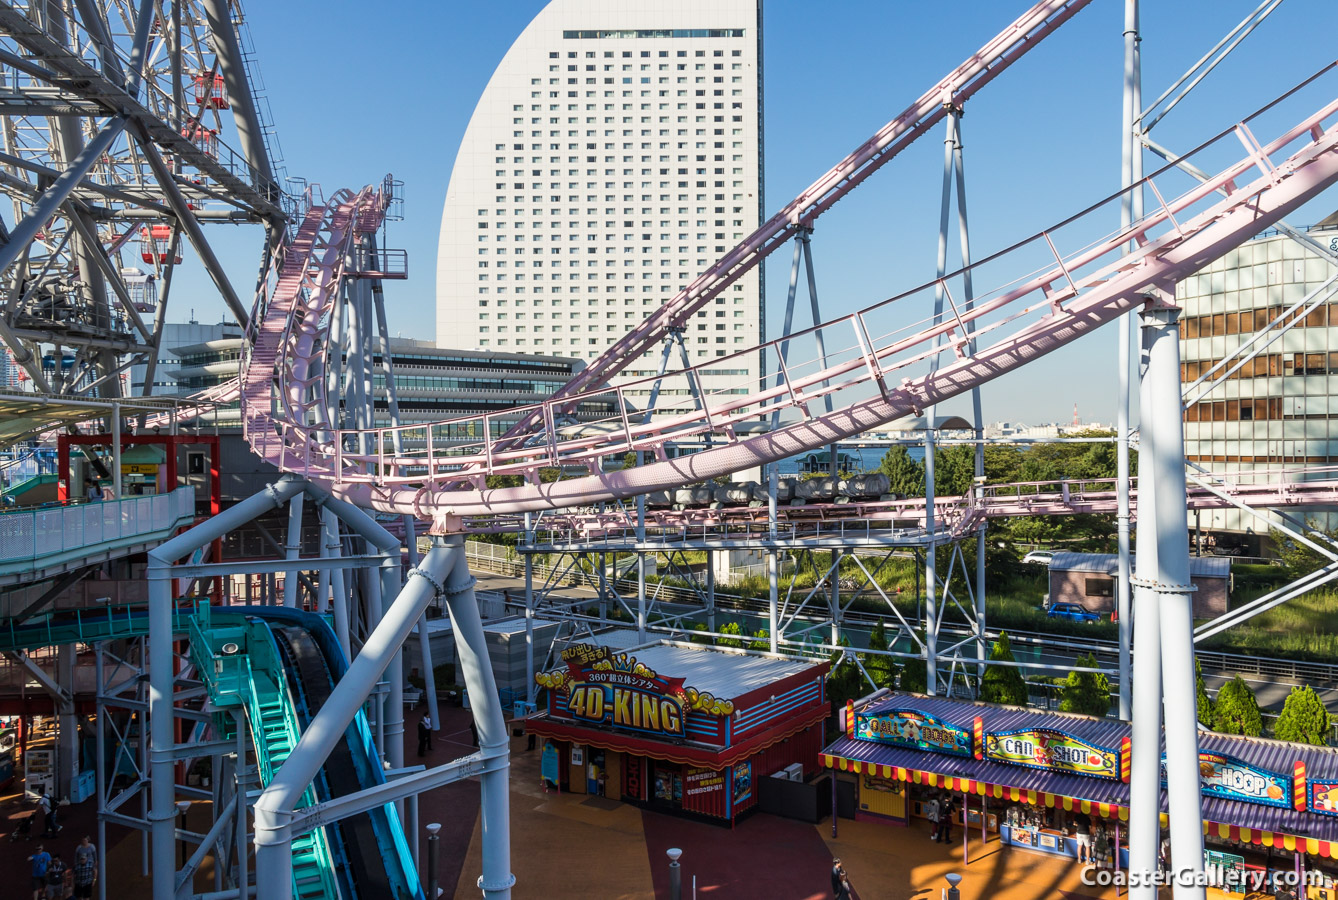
column 939, row 811
column 54, row 879
column 841, row 888
column 1093, row 841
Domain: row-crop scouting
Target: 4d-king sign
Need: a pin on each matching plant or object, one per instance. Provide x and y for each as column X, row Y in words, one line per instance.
column 617, row 690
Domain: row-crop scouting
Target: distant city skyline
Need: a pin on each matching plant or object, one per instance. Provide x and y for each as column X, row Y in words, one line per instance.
column 1041, row 142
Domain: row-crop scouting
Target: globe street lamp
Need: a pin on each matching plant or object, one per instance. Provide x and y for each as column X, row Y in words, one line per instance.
column 675, row 874
column 433, row 842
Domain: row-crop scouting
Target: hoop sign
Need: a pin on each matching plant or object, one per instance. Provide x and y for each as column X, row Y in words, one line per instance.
column 1324, row 797
column 1043, row 748
column 1226, row 776
column 912, row 728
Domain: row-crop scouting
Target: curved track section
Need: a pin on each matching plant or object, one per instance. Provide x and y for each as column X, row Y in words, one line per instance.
column 872, row 380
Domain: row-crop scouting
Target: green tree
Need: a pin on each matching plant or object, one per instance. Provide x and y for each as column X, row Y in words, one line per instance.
column 915, row 676
column 1086, row 692
column 954, row 469
column 844, row 682
column 730, row 628
column 1236, row 711
column 882, row 669
column 1003, row 684
column 700, row 638
column 1204, row 704
column 762, row 640
column 1304, row 720
column 1297, row 559
column 907, row 475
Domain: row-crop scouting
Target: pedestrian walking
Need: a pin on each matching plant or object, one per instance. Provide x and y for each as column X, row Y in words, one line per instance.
column 55, row 879
column 48, row 805
column 85, row 868
column 945, row 820
column 838, row 875
column 92, row 493
column 846, row 892
column 40, row 862
column 424, row 735
column 932, row 813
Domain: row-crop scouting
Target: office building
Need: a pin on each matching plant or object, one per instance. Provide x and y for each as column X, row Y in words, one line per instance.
column 1276, row 417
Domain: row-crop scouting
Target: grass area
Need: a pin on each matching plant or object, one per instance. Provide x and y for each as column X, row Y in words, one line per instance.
column 1304, row 628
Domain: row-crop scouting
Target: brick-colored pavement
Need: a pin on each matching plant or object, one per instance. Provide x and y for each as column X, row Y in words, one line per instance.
column 565, row 848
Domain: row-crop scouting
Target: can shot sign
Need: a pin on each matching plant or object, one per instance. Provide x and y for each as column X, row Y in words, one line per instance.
column 604, row 688
column 912, row 728
column 1043, row 748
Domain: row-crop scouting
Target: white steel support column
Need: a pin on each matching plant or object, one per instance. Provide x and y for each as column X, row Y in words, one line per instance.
column 530, row 686
column 472, row 654
column 640, row 564
column 116, row 451
column 710, row 588
column 424, row 639
column 100, row 682
column 1145, row 768
column 1131, row 207
column 162, row 782
column 339, row 596
column 773, row 611
column 931, row 576
column 1163, row 439
column 293, row 549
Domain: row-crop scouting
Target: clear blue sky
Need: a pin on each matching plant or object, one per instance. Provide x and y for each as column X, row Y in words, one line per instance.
column 359, row 90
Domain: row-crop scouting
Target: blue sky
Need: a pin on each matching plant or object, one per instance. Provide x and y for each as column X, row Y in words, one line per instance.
column 358, row 91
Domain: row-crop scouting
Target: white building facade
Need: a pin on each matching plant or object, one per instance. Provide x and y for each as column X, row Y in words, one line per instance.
column 1275, row 419
column 615, row 154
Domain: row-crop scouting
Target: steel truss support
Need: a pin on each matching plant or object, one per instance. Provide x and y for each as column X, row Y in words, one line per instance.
column 443, row 571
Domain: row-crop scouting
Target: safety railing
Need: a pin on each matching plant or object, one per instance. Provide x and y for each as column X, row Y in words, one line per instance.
column 27, row 537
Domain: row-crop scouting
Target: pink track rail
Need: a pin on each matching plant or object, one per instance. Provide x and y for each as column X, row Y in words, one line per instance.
column 1063, row 302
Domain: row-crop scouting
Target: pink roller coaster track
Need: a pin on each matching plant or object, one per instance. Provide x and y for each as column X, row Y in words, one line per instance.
column 408, row 470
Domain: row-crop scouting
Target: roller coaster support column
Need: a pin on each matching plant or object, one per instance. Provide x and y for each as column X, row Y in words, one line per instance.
column 530, row 686
column 424, row 639
column 640, row 561
column 1145, row 770
column 472, row 652
column 710, row 589
column 274, row 807
column 773, row 618
column 1131, row 207
column 1163, row 437
column 162, row 783
column 931, row 578
column 339, row 596
column 292, row 549
column 389, row 585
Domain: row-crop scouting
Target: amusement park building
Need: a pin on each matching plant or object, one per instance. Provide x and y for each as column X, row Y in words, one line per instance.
column 1280, row 410
column 614, row 155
